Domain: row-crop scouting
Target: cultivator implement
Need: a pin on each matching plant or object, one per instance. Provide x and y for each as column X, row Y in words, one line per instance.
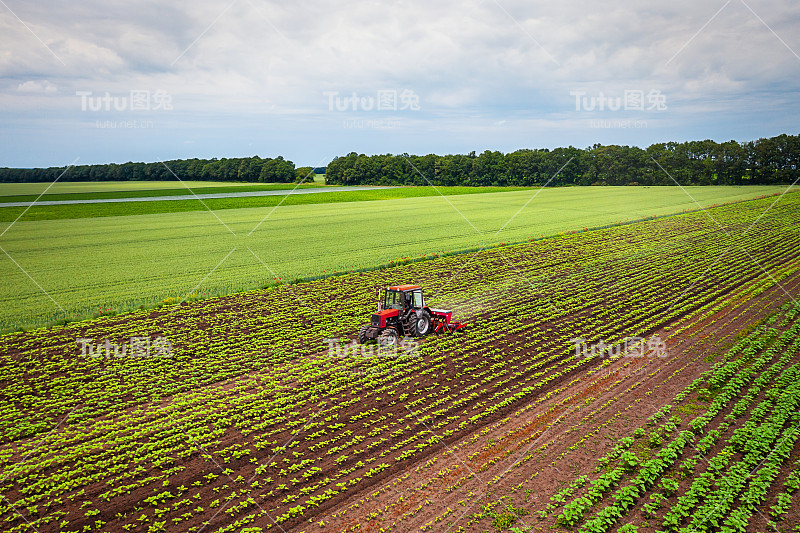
column 443, row 321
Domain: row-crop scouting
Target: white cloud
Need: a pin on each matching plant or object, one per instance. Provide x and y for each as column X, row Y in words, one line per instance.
column 472, row 63
column 32, row 86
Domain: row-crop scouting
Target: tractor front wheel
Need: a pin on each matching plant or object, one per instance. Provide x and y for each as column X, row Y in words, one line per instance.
column 388, row 337
column 423, row 322
column 362, row 334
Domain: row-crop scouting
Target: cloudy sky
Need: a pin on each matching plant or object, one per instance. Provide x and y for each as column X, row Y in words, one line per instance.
column 116, row 81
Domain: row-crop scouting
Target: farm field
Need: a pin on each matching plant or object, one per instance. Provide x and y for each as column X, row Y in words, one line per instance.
column 96, row 187
column 261, row 417
column 111, row 264
column 190, row 195
column 128, row 188
column 177, row 190
column 342, row 195
column 724, row 456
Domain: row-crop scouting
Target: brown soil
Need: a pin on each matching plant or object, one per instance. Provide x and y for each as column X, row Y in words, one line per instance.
column 602, row 407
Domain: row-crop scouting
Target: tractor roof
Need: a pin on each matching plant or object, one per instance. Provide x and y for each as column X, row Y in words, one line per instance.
column 403, row 287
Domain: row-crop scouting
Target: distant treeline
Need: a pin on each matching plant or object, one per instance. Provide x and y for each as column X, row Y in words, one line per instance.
column 253, row 169
column 765, row 161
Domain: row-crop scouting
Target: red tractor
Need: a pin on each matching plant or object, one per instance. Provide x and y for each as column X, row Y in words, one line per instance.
column 402, row 313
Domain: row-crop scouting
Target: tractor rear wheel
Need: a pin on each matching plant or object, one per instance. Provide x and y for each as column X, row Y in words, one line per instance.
column 423, row 324
column 362, row 334
column 388, row 337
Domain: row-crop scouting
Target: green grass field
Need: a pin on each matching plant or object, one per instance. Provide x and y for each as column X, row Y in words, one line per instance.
column 59, row 212
column 15, row 192
column 14, row 189
column 120, row 262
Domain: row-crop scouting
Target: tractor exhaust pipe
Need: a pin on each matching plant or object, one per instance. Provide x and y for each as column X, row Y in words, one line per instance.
column 379, row 300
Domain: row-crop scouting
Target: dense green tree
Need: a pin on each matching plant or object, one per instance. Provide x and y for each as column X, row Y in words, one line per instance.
column 775, row 160
column 303, row 173
column 235, row 169
column 764, row 161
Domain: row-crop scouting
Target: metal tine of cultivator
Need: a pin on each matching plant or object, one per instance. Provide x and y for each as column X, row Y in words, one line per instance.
column 442, row 321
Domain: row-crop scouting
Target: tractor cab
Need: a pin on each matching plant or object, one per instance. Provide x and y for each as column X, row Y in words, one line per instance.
column 393, row 300
column 403, row 297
